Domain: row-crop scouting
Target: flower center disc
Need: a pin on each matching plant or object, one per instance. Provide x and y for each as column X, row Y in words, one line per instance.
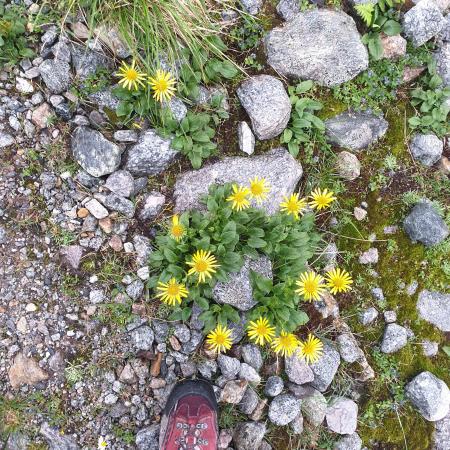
column 131, row 74
column 201, row 266
column 173, row 290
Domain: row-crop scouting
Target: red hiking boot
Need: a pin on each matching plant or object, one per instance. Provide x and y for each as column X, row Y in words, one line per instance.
column 189, row 421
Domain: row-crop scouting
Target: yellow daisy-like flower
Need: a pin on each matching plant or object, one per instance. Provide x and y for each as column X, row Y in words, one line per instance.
column 311, row 350
column 172, row 292
column 239, row 198
column 219, row 339
column 259, row 188
column 101, row 443
column 338, row 280
column 129, row 76
column 321, row 199
column 163, row 85
column 293, row 205
column 285, row 344
column 176, row 230
column 310, row 286
column 203, row 264
column 260, row 331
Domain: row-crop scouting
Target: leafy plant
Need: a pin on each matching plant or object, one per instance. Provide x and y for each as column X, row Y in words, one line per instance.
column 13, row 43
column 304, row 126
column 231, row 236
column 248, row 33
column 430, row 102
column 379, row 17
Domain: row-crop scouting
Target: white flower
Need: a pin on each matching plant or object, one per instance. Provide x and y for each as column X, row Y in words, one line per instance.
column 102, row 444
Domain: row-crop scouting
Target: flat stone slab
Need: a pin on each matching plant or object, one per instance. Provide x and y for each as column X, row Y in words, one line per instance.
column 355, row 130
column 321, row 45
column 277, row 166
column 434, row 307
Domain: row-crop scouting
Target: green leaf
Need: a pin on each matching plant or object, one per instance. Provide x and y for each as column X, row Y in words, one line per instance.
column 228, row 70
column 170, row 255
column 256, row 242
column 392, row 27
column 293, row 148
column 446, row 349
column 375, row 47
column 303, row 87
column 186, row 313
column 287, row 136
column 202, row 302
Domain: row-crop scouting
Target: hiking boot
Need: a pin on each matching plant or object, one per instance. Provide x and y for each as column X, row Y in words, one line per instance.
column 189, row 420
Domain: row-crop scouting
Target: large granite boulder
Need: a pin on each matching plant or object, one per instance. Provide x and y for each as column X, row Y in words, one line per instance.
column 267, row 104
column 355, row 130
column 434, row 307
column 94, row 153
column 429, row 395
column 425, row 225
column 320, row 44
column 277, row 166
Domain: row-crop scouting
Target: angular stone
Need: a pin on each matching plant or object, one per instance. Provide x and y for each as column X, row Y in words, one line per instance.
column 233, row 391
column 120, row 204
column 17, row 441
column 267, row 104
column 252, row 6
column 430, row 348
column 249, row 435
column 395, row 338
column 152, row 206
column 246, row 138
column 284, row 409
column 314, row 407
column 277, row 166
column 56, row 75
column 322, row 45
column 41, row 116
column 425, row 225
column 252, row 356
column 56, row 440
column 25, row 371
column 348, row 165
column 71, row 256
column 88, row 61
column 237, row 291
column 111, row 37
column 441, row 435
column 350, row 442
column 429, row 395
column 348, row 348
column 247, row 372
column 355, row 130
column 434, row 307
column 96, row 209
column 151, row 155
column 442, row 58
column 342, row 415
column 127, row 136
column 121, row 183
column 426, row 148
column 6, row 140
column 325, row 368
column 94, row 152
column 297, row 370
column 287, row 9
column 274, row 386
column 422, row 22
column 148, row 438
column 393, row 46
column 228, row 366
column 142, row 338
column 369, row 257
column 249, row 401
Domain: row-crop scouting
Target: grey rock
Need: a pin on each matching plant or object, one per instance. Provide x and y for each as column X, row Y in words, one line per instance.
column 134, row 290
column 70, row 255
column 127, row 136
column 297, row 425
column 143, row 338
column 442, row 58
column 284, row 409
column 247, row 372
column 277, row 166
column 395, row 338
column 120, row 204
column 314, row 407
column 252, row 356
column 274, row 386
column 95, row 154
column 188, row 369
column 287, row 9
column 429, row 395
column 249, row 401
column 238, row 329
column 161, row 330
column 178, row 109
column 237, row 291
column 207, row 368
column 3, row 237
column 369, row 257
column 182, row 333
column 17, row 441
column 233, row 391
column 252, row 6
column 121, row 183
column 56, row 75
column 441, row 435
column 434, row 307
column 96, row 209
column 297, row 370
column 228, row 366
column 321, row 45
column 348, row 165
column 87, row 61
column 153, row 204
column 325, row 368
column 425, row 225
column 246, row 138
column 430, row 348
column 426, row 148
column 350, row 442
column 390, row 316
column 377, row 293
column 249, row 435
column 444, row 35
column 355, row 130
column 367, row 316
column 267, row 104
column 348, row 348
column 342, row 415
column 6, row 140
column 148, row 438
column 151, row 155
column 105, row 98
column 422, row 22
column 194, row 343
column 55, row 440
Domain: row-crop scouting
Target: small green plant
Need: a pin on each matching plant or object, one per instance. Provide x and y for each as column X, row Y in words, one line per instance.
column 378, row 181
column 117, row 313
column 390, row 162
column 74, row 372
column 247, row 33
column 429, row 100
column 123, row 434
column 379, row 17
column 13, row 43
column 304, row 127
